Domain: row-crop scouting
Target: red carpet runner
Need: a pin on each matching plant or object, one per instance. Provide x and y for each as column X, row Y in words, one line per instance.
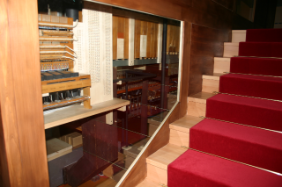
column 245, row 110
column 256, row 66
column 249, row 141
column 257, row 86
column 260, row 49
column 264, row 35
column 193, row 168
column 245, row 144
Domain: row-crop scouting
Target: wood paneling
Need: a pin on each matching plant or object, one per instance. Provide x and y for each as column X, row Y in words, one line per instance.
column 206, row 43
column 170, row 9
column 227, row 4
column 23, row 149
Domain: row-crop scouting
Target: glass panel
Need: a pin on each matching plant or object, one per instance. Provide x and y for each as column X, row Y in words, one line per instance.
column 98, row 150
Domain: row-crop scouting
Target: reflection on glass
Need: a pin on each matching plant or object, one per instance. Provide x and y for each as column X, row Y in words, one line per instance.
column 92, row 151
column 245, row 8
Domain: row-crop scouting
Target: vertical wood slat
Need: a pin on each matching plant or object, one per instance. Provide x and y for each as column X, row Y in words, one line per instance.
column 115, row 27
column 126, row 38
column 149, row 39
column 23, row 149
column 153, row 41
column 156, row 40
column 137, row 39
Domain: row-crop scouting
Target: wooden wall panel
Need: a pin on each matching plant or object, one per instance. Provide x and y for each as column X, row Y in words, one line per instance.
column 227, row 4
column 170, row 9
column 206, row 43
column 22, row 141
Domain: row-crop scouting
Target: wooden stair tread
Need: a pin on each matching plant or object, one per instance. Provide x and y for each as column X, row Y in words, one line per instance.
column 200, row 97
column 232, row 43
column 215, row 76
column 164, row 156
column 185, row 123
column 222, row 58
column 146, row 182
column 239, row 31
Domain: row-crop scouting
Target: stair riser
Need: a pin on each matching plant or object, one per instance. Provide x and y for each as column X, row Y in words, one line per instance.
column 239, row 36
column 196, row 109
column 210, row 86
column 179, row 138
column 221, row 65
column 156, row 174
column 231, row 49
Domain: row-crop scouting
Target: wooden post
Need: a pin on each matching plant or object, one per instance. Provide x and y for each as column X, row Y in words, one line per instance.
column 22, row 135
column 86, row 92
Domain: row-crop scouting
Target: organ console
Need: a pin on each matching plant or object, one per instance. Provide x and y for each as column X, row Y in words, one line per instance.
column 60, row 85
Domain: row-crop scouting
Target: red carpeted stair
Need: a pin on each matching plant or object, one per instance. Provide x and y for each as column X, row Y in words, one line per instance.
column 256, row 66
column 264, row 35
column 257, row 86
column 260, row 49
column 245, row 144
column 245, row 110
column 243, row 132
column 193, row 168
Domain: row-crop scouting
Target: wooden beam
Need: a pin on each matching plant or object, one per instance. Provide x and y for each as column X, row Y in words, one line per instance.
column 22, row 142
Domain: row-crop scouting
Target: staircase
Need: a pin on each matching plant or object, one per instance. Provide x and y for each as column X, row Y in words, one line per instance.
column 231, row 137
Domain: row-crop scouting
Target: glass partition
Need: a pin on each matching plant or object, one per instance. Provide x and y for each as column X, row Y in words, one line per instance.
column 115, row 56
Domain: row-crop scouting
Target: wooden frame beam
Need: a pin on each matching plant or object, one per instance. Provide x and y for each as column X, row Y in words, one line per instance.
column 22, row 135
